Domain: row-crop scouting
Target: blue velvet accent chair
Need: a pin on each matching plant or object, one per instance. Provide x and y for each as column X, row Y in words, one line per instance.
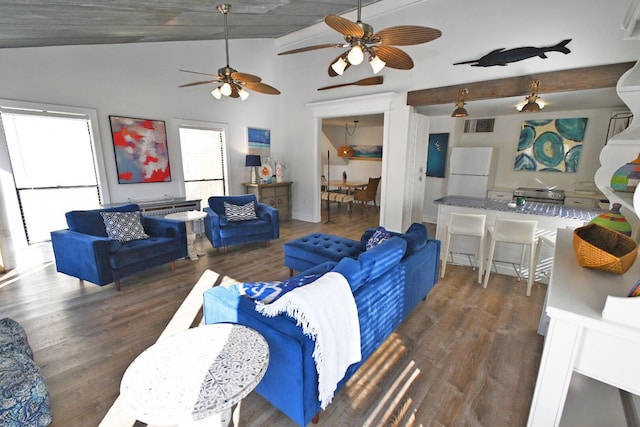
column 85, row 251
column 223, row 233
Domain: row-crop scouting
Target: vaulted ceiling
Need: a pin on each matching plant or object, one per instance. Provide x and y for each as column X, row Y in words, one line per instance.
column 30, row 23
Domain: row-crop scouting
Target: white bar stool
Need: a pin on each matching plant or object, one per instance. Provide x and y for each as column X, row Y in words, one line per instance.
column 466, row 225
column 514, row 231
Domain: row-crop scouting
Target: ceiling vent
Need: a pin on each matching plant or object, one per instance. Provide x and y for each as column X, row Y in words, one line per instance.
column 478, row 125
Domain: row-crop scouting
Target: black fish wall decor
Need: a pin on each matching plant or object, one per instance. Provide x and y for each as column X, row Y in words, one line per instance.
column 503, row 57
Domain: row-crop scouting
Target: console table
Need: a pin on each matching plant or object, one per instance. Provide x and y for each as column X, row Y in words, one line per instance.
column 277, row 194
column 579, row 340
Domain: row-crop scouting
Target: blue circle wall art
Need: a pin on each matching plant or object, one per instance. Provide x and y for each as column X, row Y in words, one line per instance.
column 551, row 145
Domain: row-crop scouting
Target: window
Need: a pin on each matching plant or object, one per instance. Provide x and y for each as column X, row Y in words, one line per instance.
column 53, row 167
column 203, row 162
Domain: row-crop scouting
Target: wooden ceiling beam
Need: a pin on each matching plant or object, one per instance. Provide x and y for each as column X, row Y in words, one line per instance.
column 597, row 77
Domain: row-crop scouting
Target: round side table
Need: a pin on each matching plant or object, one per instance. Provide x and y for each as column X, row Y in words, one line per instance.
column 193, row 377
column 189, row 218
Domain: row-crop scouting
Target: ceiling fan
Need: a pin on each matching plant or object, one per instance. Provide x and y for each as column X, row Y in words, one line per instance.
column 360, row 39
column 232, row 83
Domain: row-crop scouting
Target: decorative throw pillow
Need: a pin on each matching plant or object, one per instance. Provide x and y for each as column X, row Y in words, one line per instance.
column 268, row 292
column 124, row 226
column 240, row 212
column 379, row 236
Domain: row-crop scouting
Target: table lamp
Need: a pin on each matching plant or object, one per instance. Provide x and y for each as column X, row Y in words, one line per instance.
column 253, row 160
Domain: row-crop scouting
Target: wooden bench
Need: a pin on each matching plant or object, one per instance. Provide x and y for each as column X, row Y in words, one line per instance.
column 338, row 198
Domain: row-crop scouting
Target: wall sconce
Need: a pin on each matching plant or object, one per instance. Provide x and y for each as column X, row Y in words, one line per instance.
column 460, row 111
column 532, row 106
column 253, row 161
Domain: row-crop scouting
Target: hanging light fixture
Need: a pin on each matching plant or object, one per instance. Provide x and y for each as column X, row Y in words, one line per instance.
column 532, row 106
column 346, row 150
column 460, row 111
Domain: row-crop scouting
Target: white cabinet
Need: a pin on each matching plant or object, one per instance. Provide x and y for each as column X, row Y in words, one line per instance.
column 579, row 340
column 499, row 195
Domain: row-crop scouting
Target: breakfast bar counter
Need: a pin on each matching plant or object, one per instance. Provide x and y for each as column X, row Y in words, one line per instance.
column 550, row 218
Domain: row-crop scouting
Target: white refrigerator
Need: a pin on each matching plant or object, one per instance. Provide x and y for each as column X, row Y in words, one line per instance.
column 470, row 169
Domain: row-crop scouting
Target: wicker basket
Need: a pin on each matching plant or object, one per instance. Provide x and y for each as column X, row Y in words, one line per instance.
column 604, row 249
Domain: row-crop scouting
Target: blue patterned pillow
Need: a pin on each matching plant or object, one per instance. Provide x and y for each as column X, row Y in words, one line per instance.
column 124, row 226
column 268, row 292
column 379, row 236
column 240, row 212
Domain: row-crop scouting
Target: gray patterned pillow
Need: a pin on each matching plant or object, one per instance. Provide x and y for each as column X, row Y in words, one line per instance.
column 124, row 226
column 239, row 212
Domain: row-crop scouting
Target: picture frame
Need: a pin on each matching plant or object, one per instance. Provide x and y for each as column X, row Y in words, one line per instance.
column 366, row 152
column 259, row 141
column 437, row 154
column 140, row 149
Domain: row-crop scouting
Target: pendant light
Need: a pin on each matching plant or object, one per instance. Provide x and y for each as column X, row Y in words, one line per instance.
column 346, row 150
column 532, row 105
column 460, row 111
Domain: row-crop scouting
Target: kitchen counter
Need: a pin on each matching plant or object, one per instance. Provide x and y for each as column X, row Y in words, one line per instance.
column 549, row 219
column 530, row 208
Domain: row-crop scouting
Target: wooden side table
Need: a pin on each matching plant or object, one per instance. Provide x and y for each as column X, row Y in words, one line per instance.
column 195, row 376
column 277, row 194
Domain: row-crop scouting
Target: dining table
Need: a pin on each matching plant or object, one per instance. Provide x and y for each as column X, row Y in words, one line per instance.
column 349, row 185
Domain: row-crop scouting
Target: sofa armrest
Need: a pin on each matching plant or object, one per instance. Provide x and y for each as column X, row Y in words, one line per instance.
column 83, row 255
column 271, row 215
column 212, row 227
column 291, row 380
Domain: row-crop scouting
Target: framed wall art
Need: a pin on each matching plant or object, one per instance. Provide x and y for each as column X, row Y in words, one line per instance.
column 366, row 152
column 437, row 154
column 550, row 145
column 140, row 147
column 259, row 141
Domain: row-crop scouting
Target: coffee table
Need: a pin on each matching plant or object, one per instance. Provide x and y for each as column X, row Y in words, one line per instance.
column 195, row 377
column 190, row 218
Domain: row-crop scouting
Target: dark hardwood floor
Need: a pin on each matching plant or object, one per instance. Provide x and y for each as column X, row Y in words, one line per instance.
column 466, row 356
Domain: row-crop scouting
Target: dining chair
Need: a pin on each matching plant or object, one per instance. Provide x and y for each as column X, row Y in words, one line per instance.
column 368, row 194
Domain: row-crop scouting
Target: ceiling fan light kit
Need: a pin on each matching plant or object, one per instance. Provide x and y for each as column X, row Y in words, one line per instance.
column 232, row 83
column 362, row 41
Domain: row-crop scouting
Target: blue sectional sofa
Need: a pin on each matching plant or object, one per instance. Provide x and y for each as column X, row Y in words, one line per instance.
column 85, row 251
column 387, row 281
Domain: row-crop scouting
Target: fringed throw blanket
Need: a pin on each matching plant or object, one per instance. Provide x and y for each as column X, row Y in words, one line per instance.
column 327, row 313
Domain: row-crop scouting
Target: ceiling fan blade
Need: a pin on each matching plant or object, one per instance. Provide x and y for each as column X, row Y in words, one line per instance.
column 198, row 83
column 196, row 72
column 344, row 26
column 332, row 73
column 244, row 77
column 262, row 88
column 394, row 57
column 369, row 81
column 406, row 35
column 315, row 47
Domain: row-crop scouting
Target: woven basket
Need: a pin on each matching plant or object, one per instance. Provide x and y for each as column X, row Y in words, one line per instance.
column 604, row 249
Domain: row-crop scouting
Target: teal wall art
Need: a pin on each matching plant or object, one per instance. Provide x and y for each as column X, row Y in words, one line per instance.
column 550, row 145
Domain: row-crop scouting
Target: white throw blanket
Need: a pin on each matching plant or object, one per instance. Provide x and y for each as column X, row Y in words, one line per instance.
column 328, row 314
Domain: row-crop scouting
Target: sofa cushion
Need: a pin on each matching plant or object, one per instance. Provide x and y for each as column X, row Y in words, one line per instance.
column 91, row 222
column 138, row 251
column 124, row 226
column 240, row 212
column 379, row 236
column 416, row 237
column 268, row 292
column 381, row 258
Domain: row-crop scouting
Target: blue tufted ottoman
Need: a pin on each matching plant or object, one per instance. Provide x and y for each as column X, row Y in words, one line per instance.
column 23, row 391
column 314, row 249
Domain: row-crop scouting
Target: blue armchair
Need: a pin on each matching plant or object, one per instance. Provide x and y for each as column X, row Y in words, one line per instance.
column 223, row 232
column 85, row 251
